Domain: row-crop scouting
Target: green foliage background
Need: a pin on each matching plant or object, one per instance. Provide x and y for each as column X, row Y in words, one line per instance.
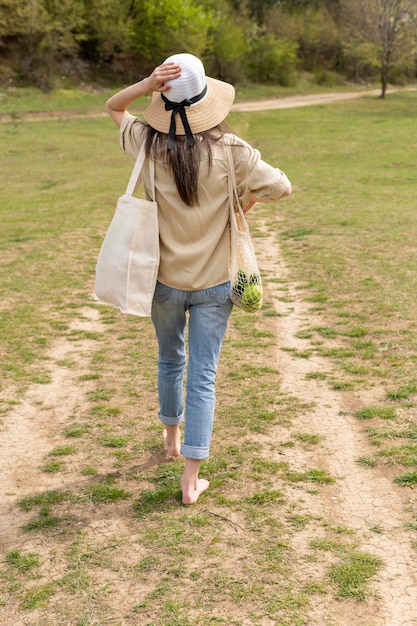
column 44, row 42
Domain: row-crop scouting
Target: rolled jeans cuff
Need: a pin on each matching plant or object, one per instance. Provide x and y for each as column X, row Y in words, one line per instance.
column 171, row 421
column 192, row 452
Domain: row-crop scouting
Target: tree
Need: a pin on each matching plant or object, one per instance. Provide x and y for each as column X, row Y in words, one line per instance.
column 394, row 18
column 384, row 24
column 162, row 28
column 318, row 39
column 361, row 57
column 224, row 58
column 227, row 39
column 39, row 31
column 106, row 29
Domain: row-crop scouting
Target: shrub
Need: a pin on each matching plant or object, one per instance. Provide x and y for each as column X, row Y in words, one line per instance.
column 272, row 60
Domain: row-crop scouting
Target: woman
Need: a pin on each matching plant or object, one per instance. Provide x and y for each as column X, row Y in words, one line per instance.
column 184, row 137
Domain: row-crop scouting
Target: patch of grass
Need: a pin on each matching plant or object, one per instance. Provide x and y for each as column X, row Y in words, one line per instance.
column 299, row 522
column 63, row 450
column 337, row 353
column 44, row 521
column 405, row 454
column 368, row 461
column 328, row 544
column 313, row 476
column 316, row 375
column 262, row 498
column 300, row 354
column 402, row 393
column 147, row 564
column 248, row 415
column 45, row 499
column 37, row 596
column 341, row 385
column 247, row 371
column 408, row 479
column 105, row 491
column 103, row 410
column 372, row 412
column 115, row 441
column 393, row 430
column 296, row 233
column 89, row 471
column 89, row 376
column 265, row 466
column 308, row 438
column 77, row 430
column 325, row 331
column 24, row 562
column 355, row 369
column 354, row 331
column 353, row 575
column 101, row 394
column 167, row 491
column 365, row 348
column 53, row 466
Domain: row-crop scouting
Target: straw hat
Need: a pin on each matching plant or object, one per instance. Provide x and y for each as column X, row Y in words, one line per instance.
column 206, row 101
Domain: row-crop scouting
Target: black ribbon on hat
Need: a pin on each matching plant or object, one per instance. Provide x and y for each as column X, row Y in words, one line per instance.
column 179, row 107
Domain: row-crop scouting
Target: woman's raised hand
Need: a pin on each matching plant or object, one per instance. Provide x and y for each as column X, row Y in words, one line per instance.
column 163, row 74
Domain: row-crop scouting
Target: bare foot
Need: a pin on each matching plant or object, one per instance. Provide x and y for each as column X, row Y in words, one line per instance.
column 172, row 440
column 192, row 491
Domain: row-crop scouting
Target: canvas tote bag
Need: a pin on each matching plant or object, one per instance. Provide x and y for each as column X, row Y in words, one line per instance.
column 246, row 289
column 128, row 262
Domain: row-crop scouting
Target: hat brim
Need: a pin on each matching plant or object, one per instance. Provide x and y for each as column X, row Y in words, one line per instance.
column 203, row 115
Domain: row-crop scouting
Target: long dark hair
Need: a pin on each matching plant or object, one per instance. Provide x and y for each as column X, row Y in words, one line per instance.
column 184, row 160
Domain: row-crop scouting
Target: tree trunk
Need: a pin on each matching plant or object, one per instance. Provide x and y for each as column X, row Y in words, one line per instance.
column 384, row 78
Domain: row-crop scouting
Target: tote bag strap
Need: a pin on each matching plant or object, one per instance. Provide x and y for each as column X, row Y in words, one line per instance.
column 236, row 214
column 134, row 177
column 152, row 177
column 137, row 169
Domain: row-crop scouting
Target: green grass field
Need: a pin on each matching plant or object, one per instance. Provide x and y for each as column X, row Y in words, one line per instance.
column 249, row 551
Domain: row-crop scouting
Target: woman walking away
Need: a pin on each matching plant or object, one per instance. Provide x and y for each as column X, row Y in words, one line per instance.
column 183, row 135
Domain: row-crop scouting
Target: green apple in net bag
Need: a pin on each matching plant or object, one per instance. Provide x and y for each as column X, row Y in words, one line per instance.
column 252, row 297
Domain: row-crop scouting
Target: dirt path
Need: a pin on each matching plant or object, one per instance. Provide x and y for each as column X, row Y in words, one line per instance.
column 35, row 426
column 286, row 102
column 362, row 499
column 290, row 102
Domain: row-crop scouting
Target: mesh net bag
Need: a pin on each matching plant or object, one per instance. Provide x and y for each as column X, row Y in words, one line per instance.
column 246, row 284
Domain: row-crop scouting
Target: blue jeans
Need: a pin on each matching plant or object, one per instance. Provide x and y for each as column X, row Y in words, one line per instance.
column 208, row 315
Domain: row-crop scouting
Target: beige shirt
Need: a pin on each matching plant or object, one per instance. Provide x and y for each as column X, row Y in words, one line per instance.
column 195, row 241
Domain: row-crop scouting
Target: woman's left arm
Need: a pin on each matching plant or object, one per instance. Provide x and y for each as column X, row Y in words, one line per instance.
column 253, row 200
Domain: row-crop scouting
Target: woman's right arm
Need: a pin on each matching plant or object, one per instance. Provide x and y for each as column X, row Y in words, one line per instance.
column 117, row 105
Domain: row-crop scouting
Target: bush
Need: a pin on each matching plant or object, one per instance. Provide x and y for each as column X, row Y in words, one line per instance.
column 328, row 79
column 272, row 60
